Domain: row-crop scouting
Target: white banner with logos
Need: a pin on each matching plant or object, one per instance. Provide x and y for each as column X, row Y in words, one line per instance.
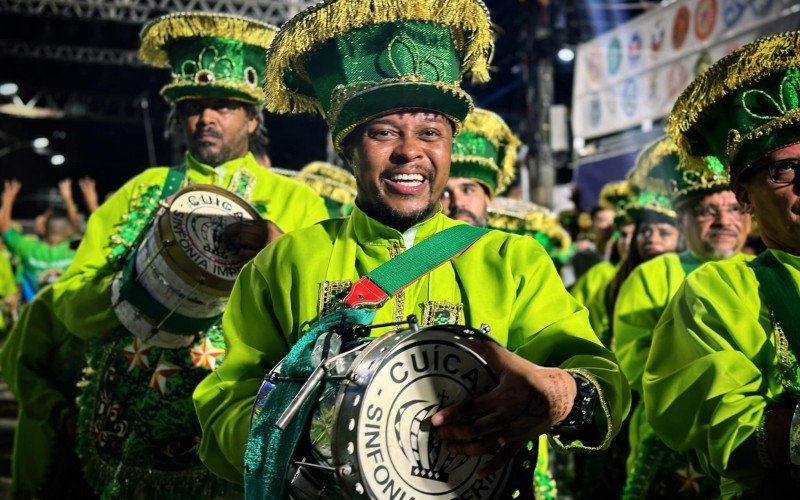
column 635, row 72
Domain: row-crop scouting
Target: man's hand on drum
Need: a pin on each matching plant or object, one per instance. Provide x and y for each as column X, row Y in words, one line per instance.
column 528, row 401
column 250, row 237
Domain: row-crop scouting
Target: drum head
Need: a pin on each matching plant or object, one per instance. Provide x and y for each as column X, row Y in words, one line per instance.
column 383, row 444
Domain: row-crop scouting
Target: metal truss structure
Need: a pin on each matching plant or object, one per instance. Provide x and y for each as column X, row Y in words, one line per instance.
column 70, row 53
column 48, row 103
column 138, row 11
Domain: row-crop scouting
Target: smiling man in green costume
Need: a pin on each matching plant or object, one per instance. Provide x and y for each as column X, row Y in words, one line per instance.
column 722, row 374
column 137, row 430
column 385, row 75
column 715, row 227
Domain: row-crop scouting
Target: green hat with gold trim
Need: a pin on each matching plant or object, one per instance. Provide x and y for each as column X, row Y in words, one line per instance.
column 697, row 176
column 523, row 217
column 744, row 106
column 616, row 196
column 649, row 182
column 211, row 55
column 353, row 60
column 485, row 151
column 336, row 185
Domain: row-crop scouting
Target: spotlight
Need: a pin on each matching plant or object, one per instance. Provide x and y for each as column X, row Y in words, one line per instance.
column 8, row 89
column 566, row 54
column 41, row 143
column 57, row 160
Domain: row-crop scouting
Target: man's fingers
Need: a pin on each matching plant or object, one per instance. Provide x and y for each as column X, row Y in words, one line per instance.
column 471, row 430
column 494, row 354
column 505, row 455
column 463, row 412
column 483, row 446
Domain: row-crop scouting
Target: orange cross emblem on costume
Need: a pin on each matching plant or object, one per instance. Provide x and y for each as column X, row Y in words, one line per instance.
column 205, row 355
column 689, row 479
column 164, row 370
column 137, row 352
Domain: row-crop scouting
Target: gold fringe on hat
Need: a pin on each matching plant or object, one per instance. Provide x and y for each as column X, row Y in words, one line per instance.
column 325, row 179
column 648, row 159
column 512, row 215
column 158, row 32
column 494, row 128
column 332, row 18
column 612, row 192
column 746, row 65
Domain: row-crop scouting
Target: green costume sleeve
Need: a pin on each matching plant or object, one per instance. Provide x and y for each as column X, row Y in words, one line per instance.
column 590, row 291
column 704, row 382
column 18, row 244
column 82, row 297
column 642, row 298
column 26, row 358
column 550, row 328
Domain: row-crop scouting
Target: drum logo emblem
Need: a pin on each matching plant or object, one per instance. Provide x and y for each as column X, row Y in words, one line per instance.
column 398, row 452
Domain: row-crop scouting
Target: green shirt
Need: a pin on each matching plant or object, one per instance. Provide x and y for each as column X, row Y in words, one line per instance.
column 715, row 363
column 82, row 297
column 503, row 280
column 590, row 290
column 41, row 363
column 40, row 263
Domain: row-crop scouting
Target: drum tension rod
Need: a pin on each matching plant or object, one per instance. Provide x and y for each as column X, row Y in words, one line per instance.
column 178, row 305
column 304, row 393
column 150, row 262
column 319, row 467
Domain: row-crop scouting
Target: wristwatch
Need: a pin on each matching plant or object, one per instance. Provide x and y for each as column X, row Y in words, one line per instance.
column 583, row 406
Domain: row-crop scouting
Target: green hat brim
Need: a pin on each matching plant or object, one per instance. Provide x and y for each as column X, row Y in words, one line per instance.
column 176, row 92
column 651, row 213
column 370, row 103
column 481, row 170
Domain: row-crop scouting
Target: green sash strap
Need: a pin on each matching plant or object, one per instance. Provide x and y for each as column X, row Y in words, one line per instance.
column 388, row 279
column 781, row 295
column 269, row 450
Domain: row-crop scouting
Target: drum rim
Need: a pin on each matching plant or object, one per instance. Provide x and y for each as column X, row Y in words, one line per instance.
column 211, row 284
column 350, row 387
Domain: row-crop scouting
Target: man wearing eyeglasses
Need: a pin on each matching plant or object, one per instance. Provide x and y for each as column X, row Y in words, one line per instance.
column 722, row 377
column 715, row 227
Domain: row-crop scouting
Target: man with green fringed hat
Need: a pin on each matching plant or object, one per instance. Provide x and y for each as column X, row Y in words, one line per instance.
column 614, row 196
column 722, row 375
column 137, row 432
column 715, row 227
column 385, row 75
column 481, row 166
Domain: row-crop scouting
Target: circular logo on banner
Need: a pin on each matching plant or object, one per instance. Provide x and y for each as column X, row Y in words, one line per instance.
column 677, row 79
column 595, row 110
column 634, row 49
column 705, row 18
column 630, row 92
column 614, row 56
column 594, row 64
column 680, row 27
column 732, row 11
column 760, row 7
column 657, row 37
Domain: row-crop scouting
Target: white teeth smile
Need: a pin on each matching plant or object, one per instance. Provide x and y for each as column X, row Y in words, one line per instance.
column 410, row 179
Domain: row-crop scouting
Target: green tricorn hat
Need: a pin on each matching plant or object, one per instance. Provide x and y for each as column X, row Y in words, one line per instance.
column 211, row 55
column 524, row 217
column 352, row 60
column 336, row 185
column 649, row 182
column 616, row 196
column 744, row 106
column 485, row 151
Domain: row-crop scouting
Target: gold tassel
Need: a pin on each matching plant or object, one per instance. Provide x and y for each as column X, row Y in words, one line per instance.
column 612, row 192
column 159, row 31
column 649, row 158
column 332, row 18
column 487, row 124
column 742, row 67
